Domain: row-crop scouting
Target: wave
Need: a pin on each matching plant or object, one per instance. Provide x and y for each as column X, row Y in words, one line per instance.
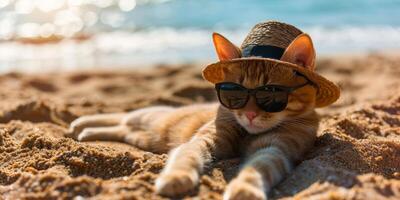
column 359, row 39
column 326, row 40
column 195, row 44
column 166, row 45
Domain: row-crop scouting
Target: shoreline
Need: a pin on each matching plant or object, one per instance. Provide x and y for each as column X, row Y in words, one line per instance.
column 133, row 50
column 50, row 69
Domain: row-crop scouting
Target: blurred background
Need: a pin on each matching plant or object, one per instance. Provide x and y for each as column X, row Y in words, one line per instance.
column 53, row 35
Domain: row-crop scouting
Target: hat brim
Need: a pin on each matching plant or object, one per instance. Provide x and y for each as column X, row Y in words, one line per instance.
column 327, row 92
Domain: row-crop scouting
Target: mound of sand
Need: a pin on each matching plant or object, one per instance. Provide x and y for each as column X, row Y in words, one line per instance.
column 357, row 154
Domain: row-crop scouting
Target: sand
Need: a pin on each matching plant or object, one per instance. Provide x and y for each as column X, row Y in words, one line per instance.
column 356, row 156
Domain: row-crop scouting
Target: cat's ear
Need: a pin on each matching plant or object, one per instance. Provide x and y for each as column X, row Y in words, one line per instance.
column 301, row 52
column 225, row 49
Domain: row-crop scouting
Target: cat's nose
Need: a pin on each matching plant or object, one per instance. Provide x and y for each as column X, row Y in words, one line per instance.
column 251, row 115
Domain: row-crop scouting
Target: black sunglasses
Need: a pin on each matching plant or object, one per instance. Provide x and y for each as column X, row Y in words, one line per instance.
column 270, row 98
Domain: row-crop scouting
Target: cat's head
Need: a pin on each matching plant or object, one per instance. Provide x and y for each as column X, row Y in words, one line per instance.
column 254, row 74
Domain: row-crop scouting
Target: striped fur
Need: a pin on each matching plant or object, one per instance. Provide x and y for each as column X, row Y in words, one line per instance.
column 198, row 134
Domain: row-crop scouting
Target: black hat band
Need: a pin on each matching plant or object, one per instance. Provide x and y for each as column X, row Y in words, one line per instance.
column 264, row 51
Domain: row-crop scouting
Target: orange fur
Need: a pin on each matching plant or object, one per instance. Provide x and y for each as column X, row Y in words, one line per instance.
column 270, row 144
column 199, row 133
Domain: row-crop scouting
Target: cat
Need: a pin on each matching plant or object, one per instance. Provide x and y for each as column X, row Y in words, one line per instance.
column 270, row 143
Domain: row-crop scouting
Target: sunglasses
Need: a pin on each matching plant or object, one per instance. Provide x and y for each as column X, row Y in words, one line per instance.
column 270, row 98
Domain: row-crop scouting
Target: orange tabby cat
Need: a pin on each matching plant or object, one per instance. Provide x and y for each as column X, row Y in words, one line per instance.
column 269, row 142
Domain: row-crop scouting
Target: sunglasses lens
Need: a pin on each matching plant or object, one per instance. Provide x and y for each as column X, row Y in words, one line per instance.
column 272, row 100
column 232, row 96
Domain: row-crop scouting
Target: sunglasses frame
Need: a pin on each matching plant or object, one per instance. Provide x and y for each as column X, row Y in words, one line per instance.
column 252, row 92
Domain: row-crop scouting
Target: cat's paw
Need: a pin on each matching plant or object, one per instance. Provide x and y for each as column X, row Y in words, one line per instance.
column 239, row 190
column 76, row 127
column 176, row 183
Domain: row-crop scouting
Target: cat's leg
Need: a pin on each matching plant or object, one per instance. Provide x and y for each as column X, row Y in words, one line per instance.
column 181, row 173
column 99, row 120
column 132, row 121
column 142, row 118
column 133, row 129
column 186, row 162
column 141, row 139
column 263, row 169
column 113, row 133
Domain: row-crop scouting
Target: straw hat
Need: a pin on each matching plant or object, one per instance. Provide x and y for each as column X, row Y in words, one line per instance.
column 276, row 43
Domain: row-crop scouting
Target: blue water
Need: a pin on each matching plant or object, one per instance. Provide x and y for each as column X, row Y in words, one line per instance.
column 233, row 14
column 176, row 31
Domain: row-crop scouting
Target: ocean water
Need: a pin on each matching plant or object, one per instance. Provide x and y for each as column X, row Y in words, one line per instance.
column 126, row 33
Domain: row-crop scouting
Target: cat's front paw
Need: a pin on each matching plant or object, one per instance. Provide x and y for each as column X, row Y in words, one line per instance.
column 176, row 183
column 239, row 190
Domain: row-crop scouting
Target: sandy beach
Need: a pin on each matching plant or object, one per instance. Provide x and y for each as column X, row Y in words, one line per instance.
column 356, row 155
